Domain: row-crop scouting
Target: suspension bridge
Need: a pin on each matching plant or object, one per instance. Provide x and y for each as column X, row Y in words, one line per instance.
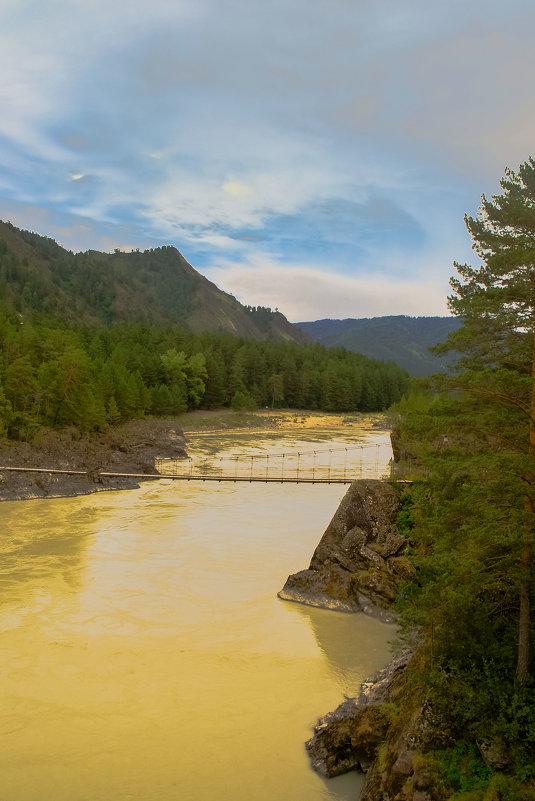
column 339, row 465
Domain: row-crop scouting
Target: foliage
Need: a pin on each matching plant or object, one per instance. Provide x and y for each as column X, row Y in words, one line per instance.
column 472, row 513
column 54, row 374
column 90, row 339
column 404, row 519
column 241, row 401
column 463, row 768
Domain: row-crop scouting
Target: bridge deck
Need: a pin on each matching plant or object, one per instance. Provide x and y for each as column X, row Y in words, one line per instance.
column 249, row 479
column 188, row 477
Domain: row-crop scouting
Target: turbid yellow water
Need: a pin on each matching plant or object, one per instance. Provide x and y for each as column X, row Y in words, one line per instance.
column 145, row 654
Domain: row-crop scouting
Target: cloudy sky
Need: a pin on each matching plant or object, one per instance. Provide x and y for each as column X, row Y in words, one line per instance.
column 314, row 155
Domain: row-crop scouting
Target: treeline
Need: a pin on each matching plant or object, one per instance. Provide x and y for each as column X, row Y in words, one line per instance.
column 53, row 374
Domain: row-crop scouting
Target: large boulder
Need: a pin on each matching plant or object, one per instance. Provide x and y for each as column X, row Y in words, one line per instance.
column 347, row 739
column 359, row 563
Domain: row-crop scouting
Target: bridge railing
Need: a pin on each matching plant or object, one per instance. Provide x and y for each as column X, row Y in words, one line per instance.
column 333, row 464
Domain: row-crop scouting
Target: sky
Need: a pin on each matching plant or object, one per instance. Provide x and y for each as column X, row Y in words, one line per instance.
column 315, row 156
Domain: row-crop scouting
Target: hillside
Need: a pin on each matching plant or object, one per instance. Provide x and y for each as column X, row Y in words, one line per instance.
column 156, row 287
column 404, row 340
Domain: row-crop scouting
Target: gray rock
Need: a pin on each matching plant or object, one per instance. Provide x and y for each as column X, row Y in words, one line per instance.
column 357, row 566
column 372, row 556
column 130, row 448
column 392, row 544
column 378, row 688
column 348, row 738
column 370, row 506
column 421, row 795
column 328, row 589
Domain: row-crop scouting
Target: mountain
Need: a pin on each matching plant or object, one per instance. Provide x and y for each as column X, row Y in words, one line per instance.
column 155, row 286
column 404, row 340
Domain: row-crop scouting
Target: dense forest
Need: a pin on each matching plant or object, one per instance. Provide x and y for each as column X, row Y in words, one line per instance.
column 56, row 374
column 469, row 443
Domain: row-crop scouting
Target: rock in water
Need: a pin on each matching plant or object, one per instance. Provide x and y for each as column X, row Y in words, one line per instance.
column 348, row 738
column 360, row 560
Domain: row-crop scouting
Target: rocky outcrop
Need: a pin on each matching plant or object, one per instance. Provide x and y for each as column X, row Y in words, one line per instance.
column 361, row 559
column 129, row 448
column 385, row 733
column 402, row 772
column 348, row 738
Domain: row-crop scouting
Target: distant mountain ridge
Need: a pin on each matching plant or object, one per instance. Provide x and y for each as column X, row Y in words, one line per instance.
column 156, row 286
column 399, row 338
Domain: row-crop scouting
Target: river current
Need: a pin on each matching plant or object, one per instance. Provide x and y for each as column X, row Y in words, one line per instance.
column 145, row 654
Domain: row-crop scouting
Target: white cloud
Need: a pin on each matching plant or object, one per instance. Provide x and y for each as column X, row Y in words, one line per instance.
column 308, row 293
column 199, row 121
column 281, row 173
column 221, row 242
column 73, row 232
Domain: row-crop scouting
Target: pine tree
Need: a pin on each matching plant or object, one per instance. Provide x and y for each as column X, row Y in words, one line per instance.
column 497, row 343
column 113, row 414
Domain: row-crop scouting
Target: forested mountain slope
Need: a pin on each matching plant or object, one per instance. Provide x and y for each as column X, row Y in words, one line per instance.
column 92, row 339
column 404, row 340
column 156, row 287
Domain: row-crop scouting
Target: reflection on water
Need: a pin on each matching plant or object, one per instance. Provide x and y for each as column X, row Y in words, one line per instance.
column 146, row 656
column 349, row 649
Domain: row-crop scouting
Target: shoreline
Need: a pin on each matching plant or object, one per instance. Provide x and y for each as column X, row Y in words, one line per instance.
column 226, row 421
column 133, row 447
column 129, row 448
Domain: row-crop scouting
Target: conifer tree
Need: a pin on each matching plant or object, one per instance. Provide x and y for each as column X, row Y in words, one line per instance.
column 497, row 343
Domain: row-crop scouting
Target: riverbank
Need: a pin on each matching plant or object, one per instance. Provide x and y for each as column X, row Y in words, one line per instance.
column 133, row 447
column 273, row 419
column 130, row 448
column 359, row 565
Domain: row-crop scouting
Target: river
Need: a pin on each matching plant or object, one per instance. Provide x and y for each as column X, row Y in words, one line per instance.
column 145, row 654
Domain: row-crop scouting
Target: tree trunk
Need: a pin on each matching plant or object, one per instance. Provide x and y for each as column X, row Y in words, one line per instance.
column 524, row 623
